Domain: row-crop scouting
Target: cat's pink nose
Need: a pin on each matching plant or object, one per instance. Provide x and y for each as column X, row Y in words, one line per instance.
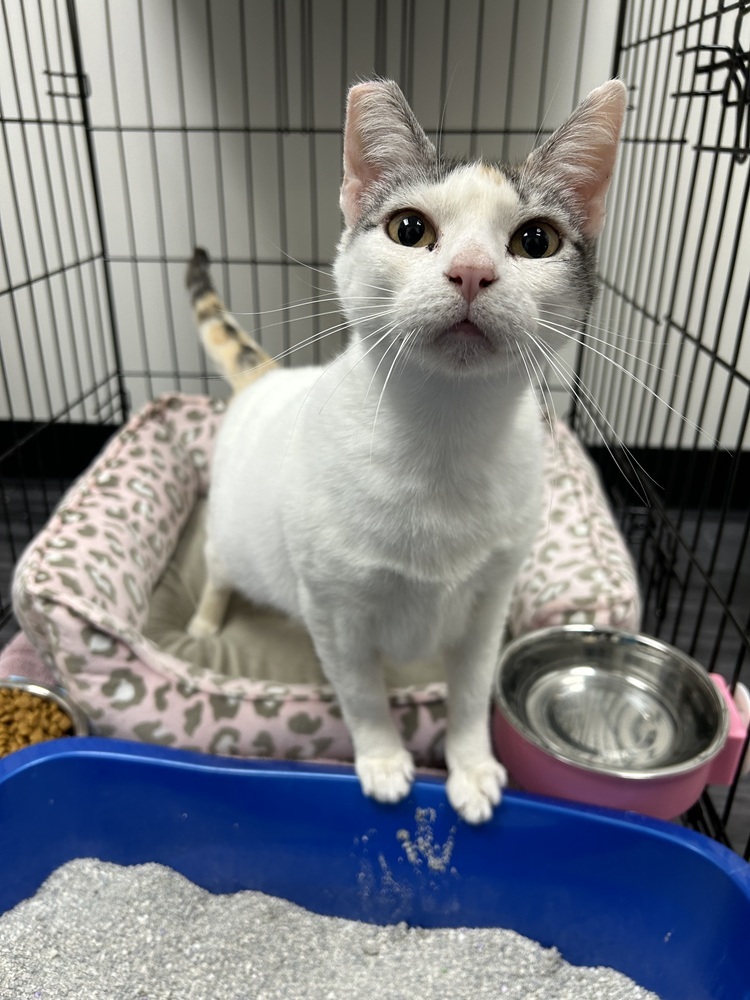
column 471, row 279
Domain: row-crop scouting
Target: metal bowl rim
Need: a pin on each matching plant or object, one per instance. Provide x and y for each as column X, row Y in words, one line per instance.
column 671, row 770
column 57, row 694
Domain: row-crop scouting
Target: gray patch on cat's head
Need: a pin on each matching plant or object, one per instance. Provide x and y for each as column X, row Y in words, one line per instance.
column 383, row 190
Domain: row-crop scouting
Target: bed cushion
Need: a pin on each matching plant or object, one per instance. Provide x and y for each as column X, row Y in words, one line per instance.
column 105, row 591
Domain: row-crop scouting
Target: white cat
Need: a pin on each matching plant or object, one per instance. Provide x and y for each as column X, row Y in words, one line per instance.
column 388, row 499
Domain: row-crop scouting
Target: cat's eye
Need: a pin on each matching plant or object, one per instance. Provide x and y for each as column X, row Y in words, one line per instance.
column 411, row 229
column 535, row 239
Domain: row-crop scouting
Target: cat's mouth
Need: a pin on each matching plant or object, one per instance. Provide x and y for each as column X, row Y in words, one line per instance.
column 464, row 332
column 465, row 346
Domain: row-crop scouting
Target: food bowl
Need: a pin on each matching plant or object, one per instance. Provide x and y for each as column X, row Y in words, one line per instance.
column 31, row 712
column 615, row 719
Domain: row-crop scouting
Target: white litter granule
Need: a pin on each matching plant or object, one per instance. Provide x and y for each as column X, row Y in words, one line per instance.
column 99, row 931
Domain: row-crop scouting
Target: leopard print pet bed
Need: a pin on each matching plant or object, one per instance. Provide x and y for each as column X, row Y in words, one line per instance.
column 105, row 591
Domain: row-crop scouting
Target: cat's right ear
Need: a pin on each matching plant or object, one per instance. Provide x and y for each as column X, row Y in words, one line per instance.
column 381, row 136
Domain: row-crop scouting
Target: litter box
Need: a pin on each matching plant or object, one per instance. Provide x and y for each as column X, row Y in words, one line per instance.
column 665, row 906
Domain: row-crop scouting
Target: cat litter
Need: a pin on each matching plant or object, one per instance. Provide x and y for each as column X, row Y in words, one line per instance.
column 217, row 878
column 96, row 929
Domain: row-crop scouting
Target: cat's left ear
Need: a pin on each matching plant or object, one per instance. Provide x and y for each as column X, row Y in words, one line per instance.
column 381, row 136
column 578, row 159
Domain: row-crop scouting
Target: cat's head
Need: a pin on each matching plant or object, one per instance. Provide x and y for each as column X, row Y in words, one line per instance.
column 456, row 263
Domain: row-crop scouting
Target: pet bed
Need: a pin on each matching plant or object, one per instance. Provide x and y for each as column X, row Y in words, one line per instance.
column 105, row 591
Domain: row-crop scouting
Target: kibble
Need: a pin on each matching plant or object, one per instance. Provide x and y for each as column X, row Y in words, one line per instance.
column 27, row 718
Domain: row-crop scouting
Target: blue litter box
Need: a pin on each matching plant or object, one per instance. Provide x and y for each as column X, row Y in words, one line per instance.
column 665, row 906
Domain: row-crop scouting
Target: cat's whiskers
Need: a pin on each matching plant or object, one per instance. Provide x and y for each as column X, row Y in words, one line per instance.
column 611, row 335
column 297, row 304
column 548, row 404
column 317, row 300
column 352, row 297
column 537, row 380
column 554, row 328
column 575, row 385
column 577, row 333
column 307, row 342
column 321, row 335
column 401, row 344
column 376, row 288
column 547, row 412
column 375, row 372
column 323, row 372
column 297, row 319
column 547, row 408
column 389, row 328
column 328, row 274
column 294, row 260
column 411, row 346
column 412, row 339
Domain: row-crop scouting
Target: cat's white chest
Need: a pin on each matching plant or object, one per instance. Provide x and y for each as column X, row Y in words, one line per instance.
column 438, row 535
column 416, row 619
column 411, row 492
column 401, row 537
column 411, row 540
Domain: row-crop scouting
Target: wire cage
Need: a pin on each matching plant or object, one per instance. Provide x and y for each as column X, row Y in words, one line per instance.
column 132, row 131
column 670, row 358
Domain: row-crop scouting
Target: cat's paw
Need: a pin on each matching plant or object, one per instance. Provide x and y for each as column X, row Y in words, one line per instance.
column 199, row 627
column 386, row 778
column 475, row 790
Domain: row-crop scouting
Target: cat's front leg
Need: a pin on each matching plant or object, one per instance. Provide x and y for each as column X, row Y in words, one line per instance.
column 385, row 768
column 385, row 775
column 475, row 776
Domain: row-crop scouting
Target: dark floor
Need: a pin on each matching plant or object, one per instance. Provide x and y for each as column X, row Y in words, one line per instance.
column 695, row 598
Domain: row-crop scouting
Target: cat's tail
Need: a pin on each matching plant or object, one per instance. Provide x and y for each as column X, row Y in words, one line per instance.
column 238, row 357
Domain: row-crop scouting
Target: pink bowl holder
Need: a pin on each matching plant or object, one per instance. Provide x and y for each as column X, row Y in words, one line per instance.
column 725, row 763
column 665, row 797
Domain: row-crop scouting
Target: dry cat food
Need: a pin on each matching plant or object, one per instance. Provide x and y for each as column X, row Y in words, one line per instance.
column 27, row 718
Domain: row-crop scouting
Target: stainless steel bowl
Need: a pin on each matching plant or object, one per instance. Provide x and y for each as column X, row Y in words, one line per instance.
column 611, row 702
column 56, row 694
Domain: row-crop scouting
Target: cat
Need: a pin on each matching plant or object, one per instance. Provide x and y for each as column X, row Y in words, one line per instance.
column 388, row 499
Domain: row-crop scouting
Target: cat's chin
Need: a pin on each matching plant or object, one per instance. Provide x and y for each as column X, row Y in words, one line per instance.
column 465, row 348
column 464, row 332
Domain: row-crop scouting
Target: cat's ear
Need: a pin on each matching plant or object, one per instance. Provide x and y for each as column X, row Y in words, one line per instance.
column 381, row 136
column 578, row 159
